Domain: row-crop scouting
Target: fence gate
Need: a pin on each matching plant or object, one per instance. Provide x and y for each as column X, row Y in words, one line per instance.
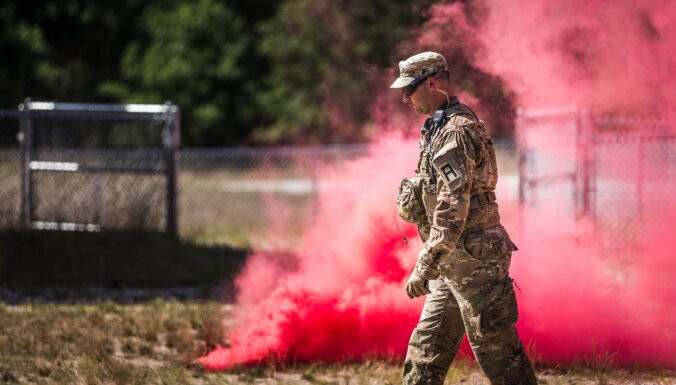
column 615, row 171
column 554, row 168
column 93, row 167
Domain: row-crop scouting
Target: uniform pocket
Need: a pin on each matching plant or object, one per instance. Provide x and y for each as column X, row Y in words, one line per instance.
column 474, row 245
column 490, row 243
column 501, row 311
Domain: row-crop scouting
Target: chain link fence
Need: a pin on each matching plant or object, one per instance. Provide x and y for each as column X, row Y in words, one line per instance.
column 88, row 167
column 242, row 196
column 10, row 170
column 236, row 196
column 633, row 173
column 109, row 169
column 614, row 172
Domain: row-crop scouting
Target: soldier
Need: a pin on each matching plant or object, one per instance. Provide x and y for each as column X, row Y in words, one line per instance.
column 463, row 265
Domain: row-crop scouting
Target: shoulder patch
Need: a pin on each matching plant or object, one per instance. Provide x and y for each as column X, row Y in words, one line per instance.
column 449, row 165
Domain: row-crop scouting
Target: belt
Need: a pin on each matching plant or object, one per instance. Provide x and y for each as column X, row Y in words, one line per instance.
column 481, row 200
column 476, row 229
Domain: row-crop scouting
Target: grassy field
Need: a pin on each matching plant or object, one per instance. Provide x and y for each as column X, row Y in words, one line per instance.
column 155, row 343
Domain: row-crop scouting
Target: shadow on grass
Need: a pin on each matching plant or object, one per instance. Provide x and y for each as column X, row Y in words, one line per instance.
column 114, row 260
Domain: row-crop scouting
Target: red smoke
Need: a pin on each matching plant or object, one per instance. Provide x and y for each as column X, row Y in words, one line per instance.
column 610, row 56
column 343, row 299
column 340, row 297
column 613, row 58
column 576, row 304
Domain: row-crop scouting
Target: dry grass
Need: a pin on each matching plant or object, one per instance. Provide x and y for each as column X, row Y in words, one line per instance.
column 106, row 342
column 154, row 343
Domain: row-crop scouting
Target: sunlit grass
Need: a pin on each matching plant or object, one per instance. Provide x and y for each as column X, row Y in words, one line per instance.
column 155, row 343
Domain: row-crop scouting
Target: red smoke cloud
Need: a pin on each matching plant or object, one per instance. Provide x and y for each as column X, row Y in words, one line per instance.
column 343, row 298
column 610, row 56
column 340, row 297
column 577, row 303
column 613, row 58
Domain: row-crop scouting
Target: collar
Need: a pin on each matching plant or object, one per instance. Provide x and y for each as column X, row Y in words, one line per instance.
column 450, row 103
column 446, row 105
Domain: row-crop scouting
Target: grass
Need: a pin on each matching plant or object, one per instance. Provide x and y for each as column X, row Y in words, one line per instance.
column 106, row 342
column 155, row 342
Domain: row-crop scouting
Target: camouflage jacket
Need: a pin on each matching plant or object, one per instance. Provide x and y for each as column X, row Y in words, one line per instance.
column 459, row 171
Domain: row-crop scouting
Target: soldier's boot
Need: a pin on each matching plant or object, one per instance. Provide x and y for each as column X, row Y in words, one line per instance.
column 436, row 339
column 503, row 359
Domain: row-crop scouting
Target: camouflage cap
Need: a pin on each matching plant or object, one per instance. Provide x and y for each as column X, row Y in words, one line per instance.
column 418, row 65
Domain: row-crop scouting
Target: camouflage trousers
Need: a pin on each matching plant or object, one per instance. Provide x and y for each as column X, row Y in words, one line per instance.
column 473, row 295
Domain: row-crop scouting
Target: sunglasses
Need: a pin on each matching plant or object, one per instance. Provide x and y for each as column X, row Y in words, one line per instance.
column 410, row 89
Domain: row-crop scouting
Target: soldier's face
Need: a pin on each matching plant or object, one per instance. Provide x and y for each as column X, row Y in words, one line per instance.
column 419, row 100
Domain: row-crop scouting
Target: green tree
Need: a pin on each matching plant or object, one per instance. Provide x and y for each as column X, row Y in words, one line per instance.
column 61, row 49
column 301, row 71
column 195, row 56
column 323, row 56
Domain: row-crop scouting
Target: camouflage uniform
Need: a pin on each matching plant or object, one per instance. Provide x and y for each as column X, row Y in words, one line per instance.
column 466, row 257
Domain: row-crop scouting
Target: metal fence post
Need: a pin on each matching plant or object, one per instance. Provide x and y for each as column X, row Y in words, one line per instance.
column 172, row 145
column 584, row 144
column 641, row 176
column 522, row 152
column 592, row 167
column 521, row 148
column 26, row 144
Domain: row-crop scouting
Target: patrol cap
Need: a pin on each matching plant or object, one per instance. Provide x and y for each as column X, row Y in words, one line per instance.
column 418, row 65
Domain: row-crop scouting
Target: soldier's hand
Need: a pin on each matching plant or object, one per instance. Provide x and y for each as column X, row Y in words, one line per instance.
column 415, row 287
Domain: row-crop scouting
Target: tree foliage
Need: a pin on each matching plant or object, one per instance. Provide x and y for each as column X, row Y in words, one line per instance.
column 199, row 55
column 323, row 55
column 242, row 72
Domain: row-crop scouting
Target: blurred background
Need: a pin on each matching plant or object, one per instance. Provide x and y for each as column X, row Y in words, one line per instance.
column 210, row 122
column 291, row 84
column 269, row 93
